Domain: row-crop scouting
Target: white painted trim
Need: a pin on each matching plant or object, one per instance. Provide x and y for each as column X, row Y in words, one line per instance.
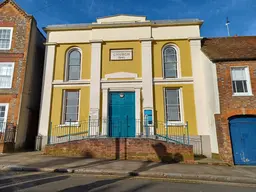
column 11, row 34
column 178, row 60
column 200, row 88
column 147, row 39
column 137, row 110
column 181, row 106
column 6, row 111
column 122, row 81
column 67, row 124
column 79, row 105
column 66, row 62
column 95, row 75
column 248, row 81
column 170, row 80
column 96, row 41
column 121, row 75
column 50, row 43
column 105, row 112
column 147, row 73
column 96, row 56
column 174, row 83
column 63, row 106
column 8, row 63
column 46, row 90
column 71, row 85
column 74, row 82
column 121, row 86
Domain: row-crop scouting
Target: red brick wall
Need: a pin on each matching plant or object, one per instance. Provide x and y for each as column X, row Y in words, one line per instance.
column 232, row 105
column 11, row 16
column 130, row 149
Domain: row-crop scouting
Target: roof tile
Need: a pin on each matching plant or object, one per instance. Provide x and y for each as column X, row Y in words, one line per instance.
column 230, row 48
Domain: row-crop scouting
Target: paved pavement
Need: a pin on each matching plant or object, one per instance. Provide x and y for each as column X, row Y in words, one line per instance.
column 124, row 168
column 51, row 182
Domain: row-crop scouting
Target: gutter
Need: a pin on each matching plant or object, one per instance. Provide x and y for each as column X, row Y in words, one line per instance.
column 233, row 59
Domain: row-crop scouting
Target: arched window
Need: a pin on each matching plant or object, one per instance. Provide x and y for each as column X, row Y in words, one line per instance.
column 73, row 65
column 170, row 62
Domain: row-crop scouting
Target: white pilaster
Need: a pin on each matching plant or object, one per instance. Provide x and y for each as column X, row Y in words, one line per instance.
column 147, row 80
column 138, row 111
column 200, row 88
column 44, row 120
column 147, row 73
column 105, row 112
column 95, row 86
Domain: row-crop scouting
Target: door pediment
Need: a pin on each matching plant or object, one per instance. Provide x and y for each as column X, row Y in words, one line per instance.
column 120, row 75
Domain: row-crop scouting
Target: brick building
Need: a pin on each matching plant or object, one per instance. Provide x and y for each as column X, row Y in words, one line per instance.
column 234, row 61
column 21, row 69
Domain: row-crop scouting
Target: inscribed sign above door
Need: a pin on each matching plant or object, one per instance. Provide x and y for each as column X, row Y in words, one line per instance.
column 120, row 54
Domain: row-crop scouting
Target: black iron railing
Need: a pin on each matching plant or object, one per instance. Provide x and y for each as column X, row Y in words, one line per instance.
column 95, row 128
column 7, row 132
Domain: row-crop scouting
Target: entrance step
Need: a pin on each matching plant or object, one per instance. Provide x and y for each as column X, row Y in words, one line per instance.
column 144, row 149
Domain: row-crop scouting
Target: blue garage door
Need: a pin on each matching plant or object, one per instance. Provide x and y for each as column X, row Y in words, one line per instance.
column 243, row 137
column 122, row 114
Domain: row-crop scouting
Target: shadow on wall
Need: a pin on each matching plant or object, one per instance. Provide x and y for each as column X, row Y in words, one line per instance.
column 166, row 157
column 160, row 149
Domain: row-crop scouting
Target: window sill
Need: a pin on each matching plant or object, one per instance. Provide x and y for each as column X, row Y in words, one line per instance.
column 243, row 95
column 74, row 124
column 175, row 123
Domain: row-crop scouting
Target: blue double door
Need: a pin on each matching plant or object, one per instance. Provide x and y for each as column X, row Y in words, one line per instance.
column 243, row 138
column 121, row 114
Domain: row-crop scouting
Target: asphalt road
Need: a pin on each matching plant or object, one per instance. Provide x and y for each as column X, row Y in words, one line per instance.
column 12, row 181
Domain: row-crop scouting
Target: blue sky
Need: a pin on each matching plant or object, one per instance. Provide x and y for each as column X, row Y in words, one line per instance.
column 241, row 13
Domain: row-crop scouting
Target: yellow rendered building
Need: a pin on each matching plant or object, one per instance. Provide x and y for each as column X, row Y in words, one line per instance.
column 124, row 76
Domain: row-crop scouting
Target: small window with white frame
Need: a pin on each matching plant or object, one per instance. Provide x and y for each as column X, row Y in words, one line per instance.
column 5, row 38
column 3, row 116
column 173, row 109
column 241, row 81
column 70, row 107
column 6, row 75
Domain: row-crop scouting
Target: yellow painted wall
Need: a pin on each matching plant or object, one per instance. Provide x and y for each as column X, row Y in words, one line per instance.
column 185, row 57
column 188, row 104
column 60, row 60
column 57, row 99
column 132, row 66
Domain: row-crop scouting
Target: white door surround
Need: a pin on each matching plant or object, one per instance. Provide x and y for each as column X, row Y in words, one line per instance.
column 105, row 107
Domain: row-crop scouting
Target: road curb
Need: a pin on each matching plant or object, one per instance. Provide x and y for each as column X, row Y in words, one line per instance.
column 179, row 176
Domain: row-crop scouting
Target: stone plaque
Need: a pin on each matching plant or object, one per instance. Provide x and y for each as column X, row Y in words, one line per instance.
column 120, row 54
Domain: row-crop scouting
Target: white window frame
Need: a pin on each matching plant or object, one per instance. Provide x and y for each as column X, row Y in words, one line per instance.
column 10, row 45
column 181, row 122
column 66, row 63
column 63, row 123
column 8, row 63
column 6, row 112
column 248, row 81
column 178, row 60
